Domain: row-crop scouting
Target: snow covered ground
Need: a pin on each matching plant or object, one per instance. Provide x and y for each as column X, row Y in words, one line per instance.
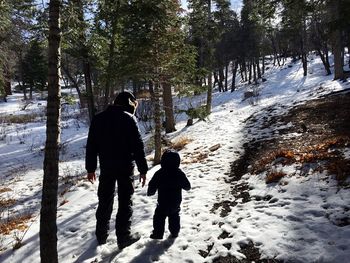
column 292, row 228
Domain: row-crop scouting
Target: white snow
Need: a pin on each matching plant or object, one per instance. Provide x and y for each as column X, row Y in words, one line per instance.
column 295, row 225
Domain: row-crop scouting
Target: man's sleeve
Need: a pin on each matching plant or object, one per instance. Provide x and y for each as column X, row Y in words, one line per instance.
column 138, row 148
column 91, row 149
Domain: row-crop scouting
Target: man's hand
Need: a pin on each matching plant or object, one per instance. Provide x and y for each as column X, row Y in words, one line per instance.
column 91, row 177
column 143, row 179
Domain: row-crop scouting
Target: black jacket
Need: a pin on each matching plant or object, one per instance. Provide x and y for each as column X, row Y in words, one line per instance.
column 115, row 138
column 169, row 181
column 169, row 186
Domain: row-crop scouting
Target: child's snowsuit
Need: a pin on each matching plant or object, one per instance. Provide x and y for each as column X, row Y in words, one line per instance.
column 169, row 180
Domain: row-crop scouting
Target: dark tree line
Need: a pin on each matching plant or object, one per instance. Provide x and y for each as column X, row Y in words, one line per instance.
column 107, row 45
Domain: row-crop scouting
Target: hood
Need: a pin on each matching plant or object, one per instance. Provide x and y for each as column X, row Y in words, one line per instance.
column 170, row 160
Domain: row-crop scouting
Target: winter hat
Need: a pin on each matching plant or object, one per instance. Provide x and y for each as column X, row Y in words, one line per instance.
column 127, row 101
column 170, row 159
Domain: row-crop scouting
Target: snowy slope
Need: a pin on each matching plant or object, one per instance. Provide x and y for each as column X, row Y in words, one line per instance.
column 293, row 229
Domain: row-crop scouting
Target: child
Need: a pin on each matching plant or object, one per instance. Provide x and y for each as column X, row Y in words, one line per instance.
column 169, row 180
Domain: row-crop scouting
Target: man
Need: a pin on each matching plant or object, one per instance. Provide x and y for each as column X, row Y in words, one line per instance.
column 114, row 137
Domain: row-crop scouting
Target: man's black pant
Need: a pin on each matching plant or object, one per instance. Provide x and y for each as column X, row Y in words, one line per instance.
column 159, row 221
column 106, row 190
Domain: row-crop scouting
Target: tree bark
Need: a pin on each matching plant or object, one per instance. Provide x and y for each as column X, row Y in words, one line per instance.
column 89, row 90
column 258, row 67
column 263, row 66
column 216, row 79
column 168, row 108
column 226, row 76
column 24, row 89
column 234, row 72
column 48, row 212
column 254, row 71
column 221, row 79
column 303, row 47
column 323, row 59
column 304, row 61
column 337, row 42
column 250, row 72
column 7, row 84
column 75, row 84
column 209, row 93
column 158, row 125
column 210, row 81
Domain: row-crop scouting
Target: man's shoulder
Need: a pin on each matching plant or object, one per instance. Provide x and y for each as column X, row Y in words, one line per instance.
column 112, row 111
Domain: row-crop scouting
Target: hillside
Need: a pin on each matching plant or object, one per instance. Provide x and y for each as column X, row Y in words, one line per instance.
column 269, row 175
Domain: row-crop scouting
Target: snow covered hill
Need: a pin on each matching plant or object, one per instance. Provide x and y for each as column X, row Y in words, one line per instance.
column 224, row 218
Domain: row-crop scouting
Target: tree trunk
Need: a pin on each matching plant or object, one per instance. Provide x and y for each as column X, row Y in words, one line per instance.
column 221, row 79
column 31, row 92
column 326, row 56
column 337, row 48
column 158, row 125
column 258, row 67
column 151, row 87
column 226, row 76
column 275, row 53
column 7, row 84
column 168, row 108
column 209, row 93
column 254, row 71
column 108, row 83
column 304, row 61
column 263, row 66
column 337, row 42
column 210, row 81
column 24, row 89
column 250, row 72
column 76, row 86
column 216, row 79
column 234, row 72
column 7, row 87
column 89, row 90
column 303, row 48
column 48, row 212
column 243, row 71
column 134, row 87
column 323, row 59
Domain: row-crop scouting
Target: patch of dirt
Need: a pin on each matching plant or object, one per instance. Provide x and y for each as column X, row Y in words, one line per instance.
column 252, row 255
column 313, row 133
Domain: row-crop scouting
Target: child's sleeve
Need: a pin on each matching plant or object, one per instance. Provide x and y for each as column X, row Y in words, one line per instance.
column 185, row 183
column 153, row 185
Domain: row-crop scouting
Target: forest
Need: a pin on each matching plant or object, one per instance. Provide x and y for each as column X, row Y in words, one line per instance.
column 158, row 49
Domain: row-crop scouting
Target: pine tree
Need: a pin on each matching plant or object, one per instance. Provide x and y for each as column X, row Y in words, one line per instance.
column 5, row 23
column 153, row 50
column 319, row 32
column 16, row 23
column 201, row 34
column 294, row 21
column 77, row 46
column 108, row 23
column 48, row 212
column 35, row 67
column 226, row 23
